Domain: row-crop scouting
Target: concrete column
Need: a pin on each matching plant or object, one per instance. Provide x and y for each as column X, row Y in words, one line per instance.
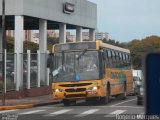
column 62, row 33
column 42, row 49
column 19, row 38
column 1, row 44
column 79, row 34
column 92, row 34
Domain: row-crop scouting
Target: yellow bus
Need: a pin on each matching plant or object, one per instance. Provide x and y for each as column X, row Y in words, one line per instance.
column 93, row 71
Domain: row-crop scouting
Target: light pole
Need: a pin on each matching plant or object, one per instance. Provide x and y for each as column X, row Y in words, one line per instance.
column 3, row 49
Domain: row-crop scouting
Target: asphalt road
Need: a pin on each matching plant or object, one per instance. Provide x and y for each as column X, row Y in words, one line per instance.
column 112, row 111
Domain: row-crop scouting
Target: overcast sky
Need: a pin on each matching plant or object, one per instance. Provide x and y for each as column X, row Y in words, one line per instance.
column 126, row 20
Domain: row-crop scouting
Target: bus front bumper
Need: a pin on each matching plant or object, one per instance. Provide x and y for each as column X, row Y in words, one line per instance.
column 75, row 95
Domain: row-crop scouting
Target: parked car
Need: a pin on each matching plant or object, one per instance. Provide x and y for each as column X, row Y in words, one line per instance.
column 140, row 94
column 33, row 70
column 136, row 81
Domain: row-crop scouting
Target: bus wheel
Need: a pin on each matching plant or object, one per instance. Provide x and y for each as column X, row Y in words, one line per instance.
column 91, row 100
column 123, row 96
column 106, row 99
column 66, row 102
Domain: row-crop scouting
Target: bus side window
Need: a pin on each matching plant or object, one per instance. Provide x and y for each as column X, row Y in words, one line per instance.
column 123, row 57
column 121, row 60
column 102, row 64
column 117, row 59
column 114, row 59
column 109, row 58
column 106, row 58
column 127, row 61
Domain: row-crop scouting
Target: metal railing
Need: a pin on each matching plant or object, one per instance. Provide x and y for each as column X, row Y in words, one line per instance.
column 32, row 68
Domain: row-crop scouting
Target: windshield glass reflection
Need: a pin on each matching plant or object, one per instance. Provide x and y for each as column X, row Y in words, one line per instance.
column 75, row 66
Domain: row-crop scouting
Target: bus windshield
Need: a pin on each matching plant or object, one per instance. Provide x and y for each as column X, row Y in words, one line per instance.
column 76, row 66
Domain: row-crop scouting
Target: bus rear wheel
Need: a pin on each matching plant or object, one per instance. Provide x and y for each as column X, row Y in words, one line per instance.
column 105, row 100
column 123, row 95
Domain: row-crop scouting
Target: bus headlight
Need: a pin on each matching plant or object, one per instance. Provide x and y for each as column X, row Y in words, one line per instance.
column 93, row 88
column 58, row 90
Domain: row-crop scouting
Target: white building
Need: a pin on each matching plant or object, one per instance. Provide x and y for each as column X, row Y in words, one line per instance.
column 101, row 35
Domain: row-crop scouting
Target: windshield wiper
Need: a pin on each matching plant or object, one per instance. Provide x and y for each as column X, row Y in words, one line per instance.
column 83, row 52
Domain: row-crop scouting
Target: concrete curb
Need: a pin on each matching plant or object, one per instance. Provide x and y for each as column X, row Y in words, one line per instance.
column 25, row 106
column 44, row 104
column 16, row 107
column 7, row 107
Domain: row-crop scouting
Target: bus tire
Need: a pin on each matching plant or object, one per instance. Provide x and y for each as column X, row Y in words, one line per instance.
column 106, row 99
column 124, row 94
column 90, row 101
column 66, row 102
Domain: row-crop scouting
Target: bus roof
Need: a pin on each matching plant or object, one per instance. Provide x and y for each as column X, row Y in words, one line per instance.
column 83, row 45
column 105, row 45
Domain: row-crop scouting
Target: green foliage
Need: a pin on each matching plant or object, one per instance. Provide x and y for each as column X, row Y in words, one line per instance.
column 30, row 46
column 116, row 43
column 10, row 44
column 27, row 45
column 139, row 48
column 50, row 42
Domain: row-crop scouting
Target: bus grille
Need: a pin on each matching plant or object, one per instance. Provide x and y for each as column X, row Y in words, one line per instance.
column 76, row 95
column 75, row 90
column 75, row 85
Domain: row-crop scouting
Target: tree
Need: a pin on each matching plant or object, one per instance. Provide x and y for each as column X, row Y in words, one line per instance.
column 27, row 45
column 10, row 44
column 30, row 46
column 51, row 41
column 139, row 48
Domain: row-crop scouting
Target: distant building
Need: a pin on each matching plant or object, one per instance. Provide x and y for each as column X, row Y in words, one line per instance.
column 27, row 34
column 10, row 33
column 71, row 38
column 85, row 36
column 101, row 35
column 35, row 38
column 52, row 33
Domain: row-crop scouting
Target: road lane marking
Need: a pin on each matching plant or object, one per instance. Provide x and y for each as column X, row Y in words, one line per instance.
column 126, row 106
column 114, row 113
column 59, row 112
column 123, row 102
column 4, row 111
column 47, row 107
column 31, row 112
column 88, row 112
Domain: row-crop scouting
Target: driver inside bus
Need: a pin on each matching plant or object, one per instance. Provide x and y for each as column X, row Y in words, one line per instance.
column 91, row 65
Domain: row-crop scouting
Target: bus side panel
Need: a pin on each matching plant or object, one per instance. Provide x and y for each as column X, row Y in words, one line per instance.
column 117, row 79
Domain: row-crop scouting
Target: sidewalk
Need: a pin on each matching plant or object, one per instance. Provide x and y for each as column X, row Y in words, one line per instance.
column 30, row 102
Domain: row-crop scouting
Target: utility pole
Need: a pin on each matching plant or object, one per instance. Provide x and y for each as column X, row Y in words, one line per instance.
column 3, row 49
